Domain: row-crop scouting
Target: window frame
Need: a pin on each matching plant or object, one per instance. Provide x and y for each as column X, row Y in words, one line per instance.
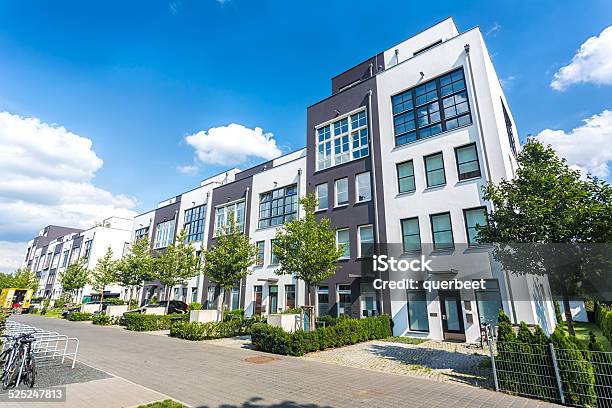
column 410, row 329
column 326, row 185
column 467, row 233
column 359, row 243
column 348, row 231
column 261, row 254
column 473, row 144
column 334, row 139
column 368, row 177
column 167, row 241
column 273, row 258
column 200, row 223
column 348, row 198
column 234, row 204
column 404, row 235
column 399, row 179
column 433, row 233
column 286, row 200
column 443, row 168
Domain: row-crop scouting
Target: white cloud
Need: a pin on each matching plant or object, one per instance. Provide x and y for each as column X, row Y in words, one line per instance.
column 507, row 82
column 233, row 144
column 496, row 27
column 188, row 169
column 46, row 178
column 592, row 63
column 587, row 148
column 11, row 255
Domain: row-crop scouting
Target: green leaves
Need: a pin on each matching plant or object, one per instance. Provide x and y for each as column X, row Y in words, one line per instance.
column 306, row 248
column 177, row 263
column 74, row 277
column 137, row 265
column 105, row 271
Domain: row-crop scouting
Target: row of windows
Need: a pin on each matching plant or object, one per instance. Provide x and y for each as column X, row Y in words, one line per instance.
column 363, row 191
column 441, row 229
column 365, row 241
column 261, row 253
column 272, row 299
column 467, row 167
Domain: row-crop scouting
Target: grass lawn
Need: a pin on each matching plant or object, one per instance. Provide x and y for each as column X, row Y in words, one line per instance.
column 163, row 404
column 53, row 313
column 405, row 340
column 582, row 333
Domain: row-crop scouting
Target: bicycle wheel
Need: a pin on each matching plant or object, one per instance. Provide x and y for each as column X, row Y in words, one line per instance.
column 30, row 369
column 11, row 373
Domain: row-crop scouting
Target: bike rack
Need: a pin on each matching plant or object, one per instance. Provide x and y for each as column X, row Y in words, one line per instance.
column 47, row 344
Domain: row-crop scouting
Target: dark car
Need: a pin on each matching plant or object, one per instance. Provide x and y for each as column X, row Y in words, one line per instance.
column 176, row 306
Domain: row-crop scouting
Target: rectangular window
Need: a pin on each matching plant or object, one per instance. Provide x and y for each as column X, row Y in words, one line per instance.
column 322, row 196
column 278, row 206
column 210, row 298
column 405, row 177
column 322, row 301
column 261, row 253
column 363, row 187
column 74, row 255
column 235, row 298
column 343, row 140
column 55, row 262
column 342, row 239
column 434, row 170
column 87, row 252
column 431, row 108
column 509, row 129
column 65, row 259
column 342, row 196
column 345, row 303
column 442, row 231
column 417, row 311
column 488, row 302
column 366, row 241
column 467, row 162
column 273, row 257
column 164, row 234
column 194, row 223
column 273, row 298
column 289, row 296
column 411, row 236
column 223, row 213
column 141, row 233
column 474, row 218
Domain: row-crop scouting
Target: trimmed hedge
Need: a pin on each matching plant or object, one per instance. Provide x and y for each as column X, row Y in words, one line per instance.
column 344, row 332
column 103, row 320
column 145, row 322
column 79, row 316
column 603, row 318
column 212, row 330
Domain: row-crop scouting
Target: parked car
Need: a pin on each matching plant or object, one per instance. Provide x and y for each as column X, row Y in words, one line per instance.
column 66, row 312
column 176, row 306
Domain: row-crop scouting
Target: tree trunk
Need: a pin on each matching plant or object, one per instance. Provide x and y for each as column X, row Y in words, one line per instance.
column 220, row 302
column 568, row 316
column 167, row 296
column 101, row 298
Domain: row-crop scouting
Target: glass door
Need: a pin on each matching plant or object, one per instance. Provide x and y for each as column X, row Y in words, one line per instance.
column 452, row 316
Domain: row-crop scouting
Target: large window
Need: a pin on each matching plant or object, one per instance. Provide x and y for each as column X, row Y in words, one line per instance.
column 474, row 218
column 489, row 302
column 87, row 252
column 342, row 195
column 366, row 240
column 322, row 196
column 65, row 259
column 343, row 140
column 261, row 251
column 467, row 162
column 322, row 300
column 278, row 206
column 363, row 187
column 442, row 231
column 223, row 213
column 434, row 170
column 411, row 236
column 289, row 296
column 235, row 298
column 431, row 108
column 273, row 257
column 345, row 302
column 164, row 234
column 141, row 233
column 195, row 220
column 417, row 311
column 405, row 177
column 509, row 129
column 342, row 239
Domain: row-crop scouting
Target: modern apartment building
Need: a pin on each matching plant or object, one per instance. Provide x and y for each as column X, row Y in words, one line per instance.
column 397, row 157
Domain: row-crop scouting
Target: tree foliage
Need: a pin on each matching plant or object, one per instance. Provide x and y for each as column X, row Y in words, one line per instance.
column 74, row 277
column 24, row 278
column 176, row 264
column 136, row 266
column 104, row 273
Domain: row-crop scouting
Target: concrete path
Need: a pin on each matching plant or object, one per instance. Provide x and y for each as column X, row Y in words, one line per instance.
column 208, row 375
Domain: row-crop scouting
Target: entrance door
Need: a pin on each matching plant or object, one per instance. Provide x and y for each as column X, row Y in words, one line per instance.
column 273, row 293
column 452, row 316
column 258, row 300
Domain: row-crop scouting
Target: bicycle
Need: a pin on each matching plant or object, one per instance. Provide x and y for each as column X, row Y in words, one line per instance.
column 20, row 365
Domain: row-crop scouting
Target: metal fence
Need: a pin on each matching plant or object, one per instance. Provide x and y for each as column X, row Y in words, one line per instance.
column 47, row 345
column 568, row 376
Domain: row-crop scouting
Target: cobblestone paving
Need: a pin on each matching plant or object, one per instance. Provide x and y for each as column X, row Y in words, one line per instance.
column 447, row 362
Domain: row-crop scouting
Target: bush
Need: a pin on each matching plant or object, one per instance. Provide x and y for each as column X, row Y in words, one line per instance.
column 79, row 317
column 195, row 306
column 114, row 301
column 594, row 343
column 103, row 320
column 603, row 318
column 292, row 310
column 144, row 322
column 163, row 404
column 212, row 330
column 233, row 314
column 345, row 332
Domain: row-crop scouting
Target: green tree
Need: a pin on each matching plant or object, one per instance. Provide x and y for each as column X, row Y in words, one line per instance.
column 24, row 278
column 546, row 220
column 74, row 278
column 6, row 280
column 307, row 249
column 228, row 261
column 135, row 267
column 176, row 264
column 104, row 273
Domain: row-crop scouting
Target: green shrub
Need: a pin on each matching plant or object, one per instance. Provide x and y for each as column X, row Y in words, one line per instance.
column 163, row 404
column 292, row 310
column 558, row 315
column 114, row 301
column 212, row 330
column 345, row 332
column 594, row 343
column 103, row 320
column 43, row 311
column 233, row 314
column 79, row 316
column 195, row 306
column 603, row 318
column 145, row 322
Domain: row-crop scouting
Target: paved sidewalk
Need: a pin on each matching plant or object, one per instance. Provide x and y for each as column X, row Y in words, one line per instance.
column 207, row 375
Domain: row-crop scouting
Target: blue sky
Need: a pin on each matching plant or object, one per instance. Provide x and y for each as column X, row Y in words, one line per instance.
column 137, row 77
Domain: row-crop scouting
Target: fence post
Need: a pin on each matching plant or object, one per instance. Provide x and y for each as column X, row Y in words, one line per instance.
column 490, row 344
column 557, row 373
